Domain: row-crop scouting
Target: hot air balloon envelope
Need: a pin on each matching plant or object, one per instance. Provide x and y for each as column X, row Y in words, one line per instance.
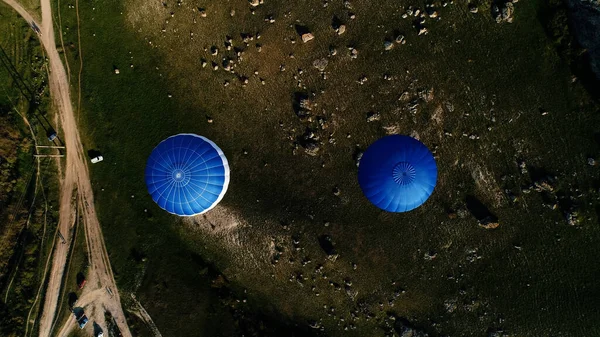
column 397, row 173
column 187, row 174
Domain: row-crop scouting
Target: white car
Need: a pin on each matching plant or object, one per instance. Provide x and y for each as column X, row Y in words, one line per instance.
column 97, row 159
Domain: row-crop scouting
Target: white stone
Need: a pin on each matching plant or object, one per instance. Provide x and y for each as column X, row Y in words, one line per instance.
column 307, row 37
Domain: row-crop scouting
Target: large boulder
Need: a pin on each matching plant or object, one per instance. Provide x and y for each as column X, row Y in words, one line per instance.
column 503, row 12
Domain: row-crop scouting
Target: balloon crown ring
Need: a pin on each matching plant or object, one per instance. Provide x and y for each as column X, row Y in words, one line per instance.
column 180, row 177
column 403, row 173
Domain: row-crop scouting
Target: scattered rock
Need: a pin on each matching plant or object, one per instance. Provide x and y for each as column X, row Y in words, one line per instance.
column 336, row 191
column 450, row 305
column 489, row 223
column 430, row 255
column 307, row 37
column 404, row 97
column 400, row 39
column 393, row 129
column 472, row 256
column 473, row 8
column 341, row 29
column 311, row 148
column 351, row 292
column 449, row 106
column 413, row 106
column 320, row 64
column 432, row 13
column 309, row 135
column 117, row 71
column 358, row 153
column 503, row 12
column 373, row 116
column 227, row 63
column 437, row 115
column 306, row 104
column 423, row 31
column 572, row 218
column 270, row 19
column 388, row 45
column 254, row 3
column 427, row 95
column 332, row 51
column 544, row 185
column 314, row 325
column 591, row 161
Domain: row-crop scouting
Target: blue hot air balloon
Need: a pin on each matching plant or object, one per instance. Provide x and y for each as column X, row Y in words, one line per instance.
column 397, row 173
column 187, row 174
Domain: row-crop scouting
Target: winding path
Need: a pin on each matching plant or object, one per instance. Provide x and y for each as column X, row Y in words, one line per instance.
column 76, row 183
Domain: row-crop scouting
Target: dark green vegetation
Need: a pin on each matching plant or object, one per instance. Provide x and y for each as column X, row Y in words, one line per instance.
column 27, row 206
column 511, row 130
column 77, row 267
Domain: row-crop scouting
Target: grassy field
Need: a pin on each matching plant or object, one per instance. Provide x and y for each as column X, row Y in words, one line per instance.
column 488, row 97
column 28, row 191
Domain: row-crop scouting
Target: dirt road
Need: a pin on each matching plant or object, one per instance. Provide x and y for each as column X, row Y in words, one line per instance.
column 76, row 180
column 143, row 315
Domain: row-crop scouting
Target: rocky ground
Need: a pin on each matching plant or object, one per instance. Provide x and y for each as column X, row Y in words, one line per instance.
column 294, row 93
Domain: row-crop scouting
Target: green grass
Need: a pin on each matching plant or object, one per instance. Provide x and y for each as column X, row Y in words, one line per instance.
column 498, row 76
column 76, row 263
column 27, row 226
column 33, row 7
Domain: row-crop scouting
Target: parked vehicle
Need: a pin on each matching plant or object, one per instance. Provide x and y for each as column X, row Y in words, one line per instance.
column 80, row 317
column 82, row 321
column 80, row 280
column 97, row 159
column 52, row 135
column 35, row 28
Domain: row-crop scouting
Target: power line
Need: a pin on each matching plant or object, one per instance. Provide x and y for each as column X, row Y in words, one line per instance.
column 16, row 76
